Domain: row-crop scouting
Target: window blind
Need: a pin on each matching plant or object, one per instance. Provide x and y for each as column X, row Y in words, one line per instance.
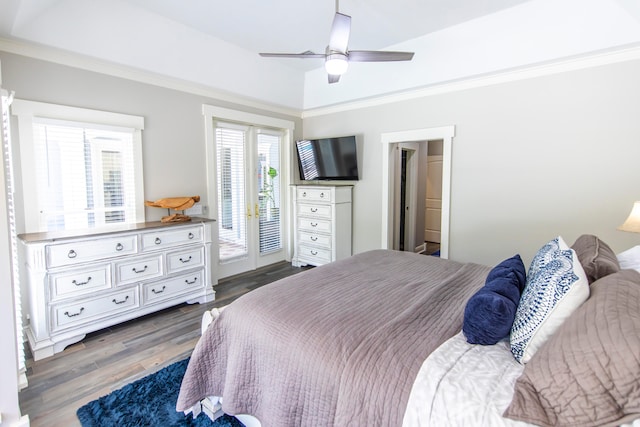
column 85, row 174
column 232, row 217
column 269, row 191
column 15, row 264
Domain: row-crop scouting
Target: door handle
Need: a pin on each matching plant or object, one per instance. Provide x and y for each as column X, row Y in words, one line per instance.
column 257, row 211
column 248, row 212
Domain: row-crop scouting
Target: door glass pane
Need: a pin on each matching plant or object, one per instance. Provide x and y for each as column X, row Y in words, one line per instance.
column 232, row 224
column 269, row 192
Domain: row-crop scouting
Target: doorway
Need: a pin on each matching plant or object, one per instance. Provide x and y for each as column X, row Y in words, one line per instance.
column 390, row 144
column 247, row 163
column 406, row 195
column 249, row 197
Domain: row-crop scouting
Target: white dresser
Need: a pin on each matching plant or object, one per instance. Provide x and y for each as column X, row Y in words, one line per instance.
column 80, row 284
column 323, row 224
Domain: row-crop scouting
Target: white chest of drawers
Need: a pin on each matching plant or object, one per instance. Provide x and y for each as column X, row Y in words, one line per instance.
column 322, row 224
column 80, row 284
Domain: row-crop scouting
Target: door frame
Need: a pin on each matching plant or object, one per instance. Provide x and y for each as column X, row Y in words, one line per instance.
column 212, row 113
column 389, row 142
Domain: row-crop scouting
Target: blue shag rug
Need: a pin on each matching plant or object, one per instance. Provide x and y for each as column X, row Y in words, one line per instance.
column 150, row 401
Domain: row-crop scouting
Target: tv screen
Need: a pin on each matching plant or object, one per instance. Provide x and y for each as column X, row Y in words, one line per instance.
column 328, row 158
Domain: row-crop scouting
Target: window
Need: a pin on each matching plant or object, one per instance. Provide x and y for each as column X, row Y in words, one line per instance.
column 87, row 167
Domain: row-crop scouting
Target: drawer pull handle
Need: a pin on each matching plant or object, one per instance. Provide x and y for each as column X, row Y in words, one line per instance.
column 191, row 236
column 304, row 194
column 158, row 292
column 158, row 241
column 314, row 238
column 119, row 247
column 184, row 261
column 81, row 283
column 195, row 279
column 314, row 210
column 72, row 254
column 120, row 302
column 314, row 253
column 66, row 313
column 314, row 224
column 139, row 271
column 322, row 195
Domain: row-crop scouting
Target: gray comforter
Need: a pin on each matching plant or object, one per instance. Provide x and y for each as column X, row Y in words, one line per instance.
column 337, row 345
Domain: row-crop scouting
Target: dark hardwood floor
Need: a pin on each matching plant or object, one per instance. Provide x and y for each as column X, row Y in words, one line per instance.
column 110, row 358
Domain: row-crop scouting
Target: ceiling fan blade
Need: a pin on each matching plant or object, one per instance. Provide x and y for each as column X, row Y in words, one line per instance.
column 339, row 37
column 334, row 78
column 307, row 54
column 378, row 56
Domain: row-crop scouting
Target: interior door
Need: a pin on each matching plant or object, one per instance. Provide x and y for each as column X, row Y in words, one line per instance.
column 249, row 198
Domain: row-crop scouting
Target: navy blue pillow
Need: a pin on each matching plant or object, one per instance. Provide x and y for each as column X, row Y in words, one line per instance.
column 513, row 264
column 490, row 312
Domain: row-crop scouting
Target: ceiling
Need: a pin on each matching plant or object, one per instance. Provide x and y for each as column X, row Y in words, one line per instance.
column 215, row 44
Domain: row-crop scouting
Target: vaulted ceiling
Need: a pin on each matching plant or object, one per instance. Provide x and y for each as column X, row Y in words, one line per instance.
column 215, row 44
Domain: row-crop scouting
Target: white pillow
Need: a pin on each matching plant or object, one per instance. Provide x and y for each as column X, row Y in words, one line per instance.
column 630, row 259
column 556, row 285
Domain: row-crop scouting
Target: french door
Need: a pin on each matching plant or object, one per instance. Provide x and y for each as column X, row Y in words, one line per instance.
column 249, row 197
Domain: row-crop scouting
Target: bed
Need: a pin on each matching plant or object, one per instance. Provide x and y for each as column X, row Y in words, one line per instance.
column 383, row 339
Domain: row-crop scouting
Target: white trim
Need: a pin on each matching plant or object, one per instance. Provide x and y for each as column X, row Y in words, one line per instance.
column 610, row 56
column 388, row 139
column 62, row 57
column 45, row 110
column 243, row 117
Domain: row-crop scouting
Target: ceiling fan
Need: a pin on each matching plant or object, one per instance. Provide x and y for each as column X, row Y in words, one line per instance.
column 337, row 55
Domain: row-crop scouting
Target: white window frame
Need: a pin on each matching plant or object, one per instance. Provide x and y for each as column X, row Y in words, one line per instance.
column 27, row 111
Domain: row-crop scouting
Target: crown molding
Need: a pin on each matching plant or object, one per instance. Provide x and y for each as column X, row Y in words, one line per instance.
column 88, row 63
column 594, row 59
column 62, row 57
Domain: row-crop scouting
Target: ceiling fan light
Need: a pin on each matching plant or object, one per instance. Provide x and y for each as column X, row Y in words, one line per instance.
column 336, row 64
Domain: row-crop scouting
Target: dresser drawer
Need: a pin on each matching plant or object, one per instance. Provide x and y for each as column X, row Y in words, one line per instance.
column 164, row 289
column 139, row 269
column 169, row 238
column 90, row 250
column 88, row 310
column 314, row 255
column 314, row 194
column 314, row 239
column 80, row 282
column 185, row 259
column 316, row 211
column 315, row 225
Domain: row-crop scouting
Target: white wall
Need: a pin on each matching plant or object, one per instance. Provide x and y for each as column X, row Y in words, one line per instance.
column 531, row 159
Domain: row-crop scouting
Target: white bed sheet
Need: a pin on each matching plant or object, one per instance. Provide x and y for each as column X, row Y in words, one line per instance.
column 462, row 384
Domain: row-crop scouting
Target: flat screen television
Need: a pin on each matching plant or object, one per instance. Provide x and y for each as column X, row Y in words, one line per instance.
column 328, row 159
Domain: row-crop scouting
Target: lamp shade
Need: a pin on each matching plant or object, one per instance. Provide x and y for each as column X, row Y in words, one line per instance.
column 336, row 63
column 633, row 221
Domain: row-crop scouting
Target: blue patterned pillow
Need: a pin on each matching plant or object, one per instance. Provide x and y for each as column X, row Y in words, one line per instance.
column 556, row 286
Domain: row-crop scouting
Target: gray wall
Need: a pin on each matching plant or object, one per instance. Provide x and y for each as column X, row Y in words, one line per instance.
column 532, row 159
column 173, row 139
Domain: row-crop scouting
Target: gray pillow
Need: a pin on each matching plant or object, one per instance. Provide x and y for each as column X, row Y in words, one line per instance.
column 596, row 257
column 588, row 372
